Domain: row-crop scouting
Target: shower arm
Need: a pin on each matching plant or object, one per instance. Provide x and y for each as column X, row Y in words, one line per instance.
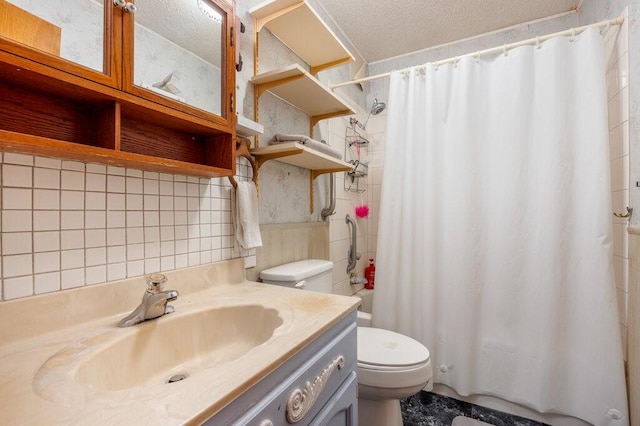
column 353, row 251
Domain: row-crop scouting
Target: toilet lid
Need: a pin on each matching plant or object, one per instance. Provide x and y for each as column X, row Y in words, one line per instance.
column 378, row 347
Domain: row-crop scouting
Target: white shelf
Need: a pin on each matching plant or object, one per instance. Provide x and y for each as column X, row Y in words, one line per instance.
column 246, row 127
column 299, row 27
column 302, row 90
column 299, row 155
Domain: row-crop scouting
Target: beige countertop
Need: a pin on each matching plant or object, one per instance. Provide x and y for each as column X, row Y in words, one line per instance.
column 40, row 339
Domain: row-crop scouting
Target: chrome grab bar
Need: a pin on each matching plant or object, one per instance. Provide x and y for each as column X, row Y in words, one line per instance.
column 353, row 252
column 328, row 211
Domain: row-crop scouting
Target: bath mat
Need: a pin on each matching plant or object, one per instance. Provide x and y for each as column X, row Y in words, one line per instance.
column 466, row 421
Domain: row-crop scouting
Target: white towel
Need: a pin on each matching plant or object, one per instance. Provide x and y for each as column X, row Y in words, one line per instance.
column 246, row 216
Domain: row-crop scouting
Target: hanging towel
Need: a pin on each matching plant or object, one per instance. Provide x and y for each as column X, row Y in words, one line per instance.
column 307, row 141
column 246, row 218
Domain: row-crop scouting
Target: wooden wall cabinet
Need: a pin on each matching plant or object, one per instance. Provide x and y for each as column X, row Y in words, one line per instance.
column 54, row 106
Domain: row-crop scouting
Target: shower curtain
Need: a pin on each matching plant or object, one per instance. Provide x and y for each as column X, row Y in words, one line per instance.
column 495, row 233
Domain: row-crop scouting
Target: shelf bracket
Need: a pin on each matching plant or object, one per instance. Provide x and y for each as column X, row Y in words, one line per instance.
column 242, row 150
column 315, row 70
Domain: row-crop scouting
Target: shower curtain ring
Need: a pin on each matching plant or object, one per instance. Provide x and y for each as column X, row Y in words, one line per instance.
column 504, row 50
column 573, row 35
column 625, row 215
column 538, row 42
column 477, row 57
column 606, row 28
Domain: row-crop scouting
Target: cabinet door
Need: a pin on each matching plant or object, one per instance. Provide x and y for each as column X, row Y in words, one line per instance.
column 342, row 408
column 180, row 55
column 80, row 37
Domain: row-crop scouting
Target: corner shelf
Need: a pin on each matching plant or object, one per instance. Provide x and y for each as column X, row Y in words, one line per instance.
column 299, row 27
column 295, row 85
column 299, row 155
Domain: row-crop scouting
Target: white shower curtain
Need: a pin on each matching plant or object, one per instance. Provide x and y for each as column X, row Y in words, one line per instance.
column 495, row 234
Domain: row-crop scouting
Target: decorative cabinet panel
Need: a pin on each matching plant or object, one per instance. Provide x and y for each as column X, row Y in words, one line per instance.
column 317, row 386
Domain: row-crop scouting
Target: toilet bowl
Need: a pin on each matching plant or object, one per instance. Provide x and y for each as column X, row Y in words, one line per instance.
column 391, row 366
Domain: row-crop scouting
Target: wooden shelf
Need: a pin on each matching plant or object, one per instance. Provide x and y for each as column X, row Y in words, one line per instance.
column 96, row 128
column 302, row 90
column 299, row 27
column 299, row 155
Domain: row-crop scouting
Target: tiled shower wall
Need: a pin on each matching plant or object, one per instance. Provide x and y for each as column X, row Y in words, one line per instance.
column 68, row 224
column 617, row 55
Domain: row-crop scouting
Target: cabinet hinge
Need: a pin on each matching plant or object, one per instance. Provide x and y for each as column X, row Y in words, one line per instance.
column 231, row 102
column 233, row 41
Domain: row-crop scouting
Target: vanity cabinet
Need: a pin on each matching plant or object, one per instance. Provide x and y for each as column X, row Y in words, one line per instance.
column 141, row 83
column 316, row 386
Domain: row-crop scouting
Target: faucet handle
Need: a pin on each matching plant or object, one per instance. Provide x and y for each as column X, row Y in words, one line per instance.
column 155, row 282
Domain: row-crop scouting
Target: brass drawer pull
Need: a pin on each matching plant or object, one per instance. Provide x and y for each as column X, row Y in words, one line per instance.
column 301, row 401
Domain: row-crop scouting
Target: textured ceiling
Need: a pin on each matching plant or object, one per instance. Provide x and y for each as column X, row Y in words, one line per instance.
column 381, row 29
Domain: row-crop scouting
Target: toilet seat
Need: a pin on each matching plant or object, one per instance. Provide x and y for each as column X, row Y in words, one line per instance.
column 391, row 360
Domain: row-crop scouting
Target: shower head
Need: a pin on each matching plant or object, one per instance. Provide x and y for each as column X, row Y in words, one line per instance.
column 377, row 107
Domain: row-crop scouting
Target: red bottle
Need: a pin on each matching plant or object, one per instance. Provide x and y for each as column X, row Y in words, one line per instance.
column 370, row 275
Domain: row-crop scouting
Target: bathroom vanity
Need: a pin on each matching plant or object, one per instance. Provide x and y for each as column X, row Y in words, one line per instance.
column 317, row 386
column 233, row 352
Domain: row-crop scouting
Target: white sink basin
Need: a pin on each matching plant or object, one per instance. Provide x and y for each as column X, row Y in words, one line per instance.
column 151, row 353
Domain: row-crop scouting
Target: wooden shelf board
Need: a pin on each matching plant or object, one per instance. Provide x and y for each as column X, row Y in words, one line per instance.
column 299, row 27
column 299, row 155
column 295, row 85
column 36, row 145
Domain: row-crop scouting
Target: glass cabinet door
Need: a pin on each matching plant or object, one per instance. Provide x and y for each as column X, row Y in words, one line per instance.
column 178, row 51
column 73, row 30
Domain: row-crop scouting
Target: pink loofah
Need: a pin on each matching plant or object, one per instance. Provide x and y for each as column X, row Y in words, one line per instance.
column 362, row 210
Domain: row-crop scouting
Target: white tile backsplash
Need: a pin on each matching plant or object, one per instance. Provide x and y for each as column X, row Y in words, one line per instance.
column 46, row 178
column 67, row 224
column 46, row 199
column 19, row 176
column 16, row 198
column 72, row 180
column 19, row 220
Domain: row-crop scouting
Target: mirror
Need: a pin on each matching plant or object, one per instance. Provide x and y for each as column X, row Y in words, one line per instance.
column 71, row 29
column 177, row 51
column 177, row 43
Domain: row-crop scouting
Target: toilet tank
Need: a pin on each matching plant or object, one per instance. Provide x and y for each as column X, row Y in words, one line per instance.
column 310, row 274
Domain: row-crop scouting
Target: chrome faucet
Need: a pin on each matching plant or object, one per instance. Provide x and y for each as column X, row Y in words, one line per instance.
column 154, row 302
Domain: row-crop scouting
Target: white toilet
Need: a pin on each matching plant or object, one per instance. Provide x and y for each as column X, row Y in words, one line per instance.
column 391, row 366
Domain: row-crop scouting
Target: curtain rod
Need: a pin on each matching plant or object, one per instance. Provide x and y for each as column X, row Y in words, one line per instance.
column 498, row 49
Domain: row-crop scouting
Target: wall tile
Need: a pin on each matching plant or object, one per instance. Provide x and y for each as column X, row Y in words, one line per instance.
column 72, row 278
column 46, row 262
column 46, row 178
column 46, row 241
column 17, row 287
column 16, row 198
column 18, row 220
column 46, row 283
column 45, row 220
column 46, row 199
column 18, row 176
column 72, row 180
column 17, row 265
